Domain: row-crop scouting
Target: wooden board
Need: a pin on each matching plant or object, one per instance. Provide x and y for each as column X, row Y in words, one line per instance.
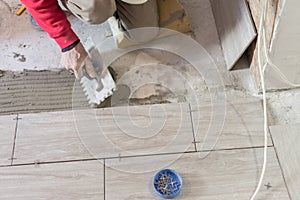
column 286, row 140
column 239, row 123
column 235, row 27
column 225, row 175
column 76, row 181
column 7, row 134
column 110, row 132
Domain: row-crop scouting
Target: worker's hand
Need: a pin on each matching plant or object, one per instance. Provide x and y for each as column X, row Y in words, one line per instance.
column 73, row 59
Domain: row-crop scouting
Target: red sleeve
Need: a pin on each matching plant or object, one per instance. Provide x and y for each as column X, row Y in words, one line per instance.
column 53, row 20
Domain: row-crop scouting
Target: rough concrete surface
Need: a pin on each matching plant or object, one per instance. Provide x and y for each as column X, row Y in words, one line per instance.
column 36, row 91
column 284, row 107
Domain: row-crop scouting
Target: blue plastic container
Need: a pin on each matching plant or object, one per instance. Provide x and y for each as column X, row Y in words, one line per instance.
column 167, row 183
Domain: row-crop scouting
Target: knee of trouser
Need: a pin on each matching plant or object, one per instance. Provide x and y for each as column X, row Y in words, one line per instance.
column 92, row 11
column 143, row 34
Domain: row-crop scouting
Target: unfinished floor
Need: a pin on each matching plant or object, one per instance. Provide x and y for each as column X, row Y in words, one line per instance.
column 48, row 150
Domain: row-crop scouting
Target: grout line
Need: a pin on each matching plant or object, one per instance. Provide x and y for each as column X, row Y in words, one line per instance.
column 193, row 130
column 90, row 159
column 148, row 155
column 282, row 173
column 14, row 143
column 279, row 163
column 118, row 157
column 235, row 148
column 232, row 149
column 8, row 165
column 271, row 136
column 104, row 186
column 51, row 162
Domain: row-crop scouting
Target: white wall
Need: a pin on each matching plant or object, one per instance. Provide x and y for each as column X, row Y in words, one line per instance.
column 285, row 46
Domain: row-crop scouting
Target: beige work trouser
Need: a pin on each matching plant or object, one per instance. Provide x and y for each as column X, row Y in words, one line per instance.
column 132, row 16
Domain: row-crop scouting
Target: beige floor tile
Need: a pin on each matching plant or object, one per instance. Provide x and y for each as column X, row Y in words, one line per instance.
column 230, row 174
column 74, row 180
column 286, row 140
column 231, row 124
column 232, row 17
column 7, row 134
column 111, row 132
column 48, row 137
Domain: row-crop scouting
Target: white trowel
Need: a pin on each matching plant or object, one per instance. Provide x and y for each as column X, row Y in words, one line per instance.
column 96, row 80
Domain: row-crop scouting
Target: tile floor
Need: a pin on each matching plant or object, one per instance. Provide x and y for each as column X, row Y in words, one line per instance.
column 52, row 158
